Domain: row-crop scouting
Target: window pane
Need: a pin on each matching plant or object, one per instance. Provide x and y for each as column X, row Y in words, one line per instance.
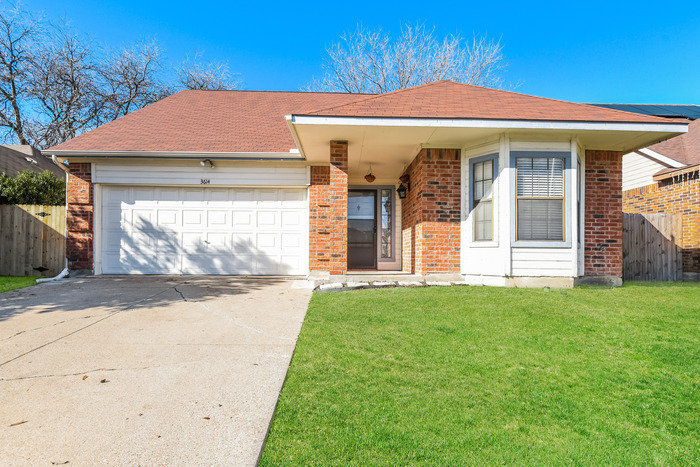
column 483, row 221
column 540, row 176
column 540, row 219
column 483, row 179
column 387, row 228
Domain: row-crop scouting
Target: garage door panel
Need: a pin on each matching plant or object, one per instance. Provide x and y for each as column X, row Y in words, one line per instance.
column 243, row 218
column 168, row 230
column 218, row 219
column 192, row 218
column 169, row 197
column 168, row 218
column 291, row 220
column 141, row 196
column 291, row 241
column 293, row 198
column 194, row 194
column 143, row 220
column 268, row 219
column 219, row 196
column 242, row 197
column 116, row 196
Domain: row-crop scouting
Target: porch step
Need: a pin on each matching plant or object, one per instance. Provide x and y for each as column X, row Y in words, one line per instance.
column 373, row 281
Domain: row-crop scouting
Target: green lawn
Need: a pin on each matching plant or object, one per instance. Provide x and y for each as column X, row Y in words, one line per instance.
column 480, row 375
column 12, row 283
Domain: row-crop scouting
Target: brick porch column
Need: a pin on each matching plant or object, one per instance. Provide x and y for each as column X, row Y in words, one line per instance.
column 603, row 215
column 328, row 213
column 430, row 214
column 79, row 217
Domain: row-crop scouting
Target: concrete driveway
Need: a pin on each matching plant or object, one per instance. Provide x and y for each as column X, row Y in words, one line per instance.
column 141, row 370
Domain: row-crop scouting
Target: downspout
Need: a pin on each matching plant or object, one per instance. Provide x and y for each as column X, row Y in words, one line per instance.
column 62, row 274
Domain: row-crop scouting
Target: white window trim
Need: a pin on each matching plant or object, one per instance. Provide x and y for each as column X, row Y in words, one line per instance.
column 467, row 220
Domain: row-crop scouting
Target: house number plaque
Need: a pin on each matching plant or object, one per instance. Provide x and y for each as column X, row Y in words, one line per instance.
column 205, row 181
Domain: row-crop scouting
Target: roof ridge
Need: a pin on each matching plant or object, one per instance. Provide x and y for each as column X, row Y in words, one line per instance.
column 487, row 89
column 273, row 91
column 378, row 95
column 566, row 102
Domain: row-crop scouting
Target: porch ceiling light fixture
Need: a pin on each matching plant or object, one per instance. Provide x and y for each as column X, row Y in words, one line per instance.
column 369, row 177
column 206, row 162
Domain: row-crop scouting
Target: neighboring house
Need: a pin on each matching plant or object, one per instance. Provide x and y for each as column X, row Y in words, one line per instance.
column 502, row 188
column 664, row 179
column 16, row 158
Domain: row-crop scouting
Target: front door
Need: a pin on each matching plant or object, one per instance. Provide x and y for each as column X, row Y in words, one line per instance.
column 362, row 229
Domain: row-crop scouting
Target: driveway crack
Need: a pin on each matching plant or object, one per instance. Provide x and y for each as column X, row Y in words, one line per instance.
column 181, row 294
column 72, row 374
column 114, row 313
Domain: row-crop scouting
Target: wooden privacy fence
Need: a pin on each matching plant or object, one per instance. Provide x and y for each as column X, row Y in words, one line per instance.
column 649, row 247
column 32, row 240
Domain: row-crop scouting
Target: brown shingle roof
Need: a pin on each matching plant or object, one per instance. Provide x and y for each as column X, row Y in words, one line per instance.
column 207, row 121
column 447, row 99
column 253, row 121
column 684, row 148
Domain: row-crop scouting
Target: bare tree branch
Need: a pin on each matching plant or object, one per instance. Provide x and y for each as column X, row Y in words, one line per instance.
column 18, row 33
column 55, row 84
column 131, row 80
column 63, row 87
column 195, row 74
column 370, row 61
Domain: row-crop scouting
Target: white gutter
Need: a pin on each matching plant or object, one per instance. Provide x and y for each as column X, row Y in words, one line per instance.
column 661, row 158
column 292, row 154
column 501, row 124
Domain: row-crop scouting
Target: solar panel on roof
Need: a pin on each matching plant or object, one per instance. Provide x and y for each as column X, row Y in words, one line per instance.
column 658, row 110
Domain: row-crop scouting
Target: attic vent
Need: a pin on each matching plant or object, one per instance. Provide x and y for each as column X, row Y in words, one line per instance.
column 30, row 160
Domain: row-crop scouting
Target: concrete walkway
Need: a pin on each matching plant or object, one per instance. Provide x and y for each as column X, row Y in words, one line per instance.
column 144, row 370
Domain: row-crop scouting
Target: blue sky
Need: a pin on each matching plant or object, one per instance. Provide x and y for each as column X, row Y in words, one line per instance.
column 612, row 51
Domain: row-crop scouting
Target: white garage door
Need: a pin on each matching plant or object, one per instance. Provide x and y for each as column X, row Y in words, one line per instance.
column 168, row 230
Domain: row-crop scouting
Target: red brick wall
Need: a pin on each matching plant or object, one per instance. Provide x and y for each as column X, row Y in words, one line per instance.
column 673, row 197
column 328, row 223
column 603, row 216
column 430, row 213
column 79, row 217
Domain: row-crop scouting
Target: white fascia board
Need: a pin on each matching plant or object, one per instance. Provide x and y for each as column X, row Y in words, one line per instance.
column 501, row 124
column 291, row 155
column 295, row 136
column 660, row 157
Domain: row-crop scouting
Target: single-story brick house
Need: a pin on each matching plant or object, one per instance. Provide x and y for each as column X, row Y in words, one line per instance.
column 664, row 179
column 500, row 187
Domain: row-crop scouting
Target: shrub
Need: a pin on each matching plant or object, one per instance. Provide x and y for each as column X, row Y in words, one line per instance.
column 30, row 187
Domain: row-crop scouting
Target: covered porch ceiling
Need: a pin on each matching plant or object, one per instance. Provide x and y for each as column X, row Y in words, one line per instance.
column 391, row 144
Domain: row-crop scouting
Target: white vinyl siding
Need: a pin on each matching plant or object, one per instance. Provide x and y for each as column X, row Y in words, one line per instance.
column 195, row 174
column 638, row 170
column 539, row 262
column 203, row 230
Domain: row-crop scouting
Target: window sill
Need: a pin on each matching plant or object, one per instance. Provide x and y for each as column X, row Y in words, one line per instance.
column 473, row 244
column 540, row 244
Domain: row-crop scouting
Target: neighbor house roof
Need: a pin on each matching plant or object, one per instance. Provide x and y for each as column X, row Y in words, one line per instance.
column 658, row 110
column 16, row 158
column 684, row 148
column 450, row 100
column 254, row 121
